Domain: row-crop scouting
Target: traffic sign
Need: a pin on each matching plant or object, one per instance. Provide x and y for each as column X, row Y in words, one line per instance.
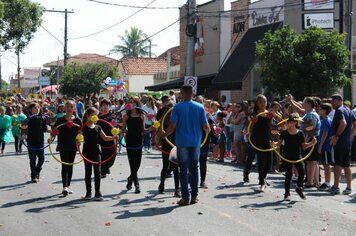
column 192, row 81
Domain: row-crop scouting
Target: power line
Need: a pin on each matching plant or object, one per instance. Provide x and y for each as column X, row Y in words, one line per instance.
column 131, row 6
column 8, row 60
column 52, row 35
column 112, row 26
column 149, row 37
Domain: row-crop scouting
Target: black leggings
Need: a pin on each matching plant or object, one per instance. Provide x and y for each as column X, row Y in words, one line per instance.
column 18, row 144
column 264, row 161
column 203, row 165
column 167, row 165
column 105, row 154
column 289, row 172
column 88, row 171
column 2, row 145
column 135, row 157
column 67, row 170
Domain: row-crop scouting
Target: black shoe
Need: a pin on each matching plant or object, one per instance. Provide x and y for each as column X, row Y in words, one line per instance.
column 87, row 196
column 299, row 190
column 246, row 179
column 137, row 189
column 129, row 183
column 98, row 197
column 103, row 176
column 161, row 189
column 177, row 193
column 203, row 185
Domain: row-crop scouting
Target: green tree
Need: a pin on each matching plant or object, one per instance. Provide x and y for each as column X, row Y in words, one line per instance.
column 19, row 23
column 4, row 87
column 133, row 44
column 311, row 63
column 1, row 9
column 85, row 79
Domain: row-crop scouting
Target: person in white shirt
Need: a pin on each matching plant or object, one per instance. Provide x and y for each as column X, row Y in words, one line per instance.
column 173, row 97
column 151, row 112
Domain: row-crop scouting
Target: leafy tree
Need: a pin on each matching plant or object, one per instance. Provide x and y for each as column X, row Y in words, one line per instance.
column 311, row 63
column 1, row 9
column 134, row 44
column 19, row 23
column 84, row 79
column 4, row 87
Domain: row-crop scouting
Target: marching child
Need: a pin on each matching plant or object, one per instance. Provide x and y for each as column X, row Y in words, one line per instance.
column 293, row 140
column 36, row 127
column 17, row 120
column 92, row 134
column 68, row 127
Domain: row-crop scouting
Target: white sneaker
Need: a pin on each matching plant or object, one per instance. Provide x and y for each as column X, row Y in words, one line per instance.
column 262, row 188
column 149, row 150
column 70, row 191
column 65, row 191
column 353, row 195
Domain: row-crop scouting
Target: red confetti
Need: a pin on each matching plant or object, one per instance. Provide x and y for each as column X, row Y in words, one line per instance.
column 108, row 223
column 324, row 229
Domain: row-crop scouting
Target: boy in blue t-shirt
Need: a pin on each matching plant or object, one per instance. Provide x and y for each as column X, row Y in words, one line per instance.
column 324, row 147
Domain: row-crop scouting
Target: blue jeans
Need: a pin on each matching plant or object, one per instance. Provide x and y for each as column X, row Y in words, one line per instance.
column 36, row 168
column 147, row 138
column 188, row 158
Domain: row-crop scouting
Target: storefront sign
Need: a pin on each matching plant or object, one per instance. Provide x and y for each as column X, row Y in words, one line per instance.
column 318, row 4
column 239, row 24
column 320, row 20
column 192, row 81
column 266, row 12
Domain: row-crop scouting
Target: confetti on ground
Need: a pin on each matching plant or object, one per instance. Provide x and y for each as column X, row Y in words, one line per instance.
column 2, row 225
column 324, row 229
column 108, row 223
column 200, row 213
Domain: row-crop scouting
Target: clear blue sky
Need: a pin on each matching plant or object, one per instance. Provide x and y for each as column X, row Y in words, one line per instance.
column 90, row 17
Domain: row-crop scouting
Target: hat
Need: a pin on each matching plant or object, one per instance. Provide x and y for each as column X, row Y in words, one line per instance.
column 347, row 103
column 294, row 117
column 336, row 96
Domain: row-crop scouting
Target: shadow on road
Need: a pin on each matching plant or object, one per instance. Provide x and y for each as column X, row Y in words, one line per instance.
column 31, row 201
column 141, row 179
column 277, row 205
column 147, row 212
column 73, row 180
column 66, row 205
column 14, row 186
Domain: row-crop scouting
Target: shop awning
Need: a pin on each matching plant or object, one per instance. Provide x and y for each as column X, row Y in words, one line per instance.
column 242, row 59
column 203, row 82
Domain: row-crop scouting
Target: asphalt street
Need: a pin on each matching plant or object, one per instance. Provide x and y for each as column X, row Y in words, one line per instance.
column 227, row 207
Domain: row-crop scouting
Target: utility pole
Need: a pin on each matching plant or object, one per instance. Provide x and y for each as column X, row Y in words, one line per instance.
column 150, row 50
column 18, row 67
column 65, row 49
column 168, row 65
column 191, row 33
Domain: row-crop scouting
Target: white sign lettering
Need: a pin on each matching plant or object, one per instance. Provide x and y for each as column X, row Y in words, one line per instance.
column 266, row 12
column 320, row 20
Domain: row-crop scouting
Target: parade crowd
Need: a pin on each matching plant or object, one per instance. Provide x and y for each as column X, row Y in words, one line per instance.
column 308, row 141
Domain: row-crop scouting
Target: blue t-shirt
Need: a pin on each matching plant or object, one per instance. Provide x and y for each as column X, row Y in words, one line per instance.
column 80, row 107
column 325, row 127
column 189, row 118
column 341, row 113
column 315, row 117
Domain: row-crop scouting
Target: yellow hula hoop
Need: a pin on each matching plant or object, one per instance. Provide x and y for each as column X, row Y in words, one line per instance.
column 249, row 136
column 297, row 161
column 58, row 160
column 166, row 138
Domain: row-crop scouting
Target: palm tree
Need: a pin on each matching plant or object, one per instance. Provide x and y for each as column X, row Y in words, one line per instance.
column 134, row 44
